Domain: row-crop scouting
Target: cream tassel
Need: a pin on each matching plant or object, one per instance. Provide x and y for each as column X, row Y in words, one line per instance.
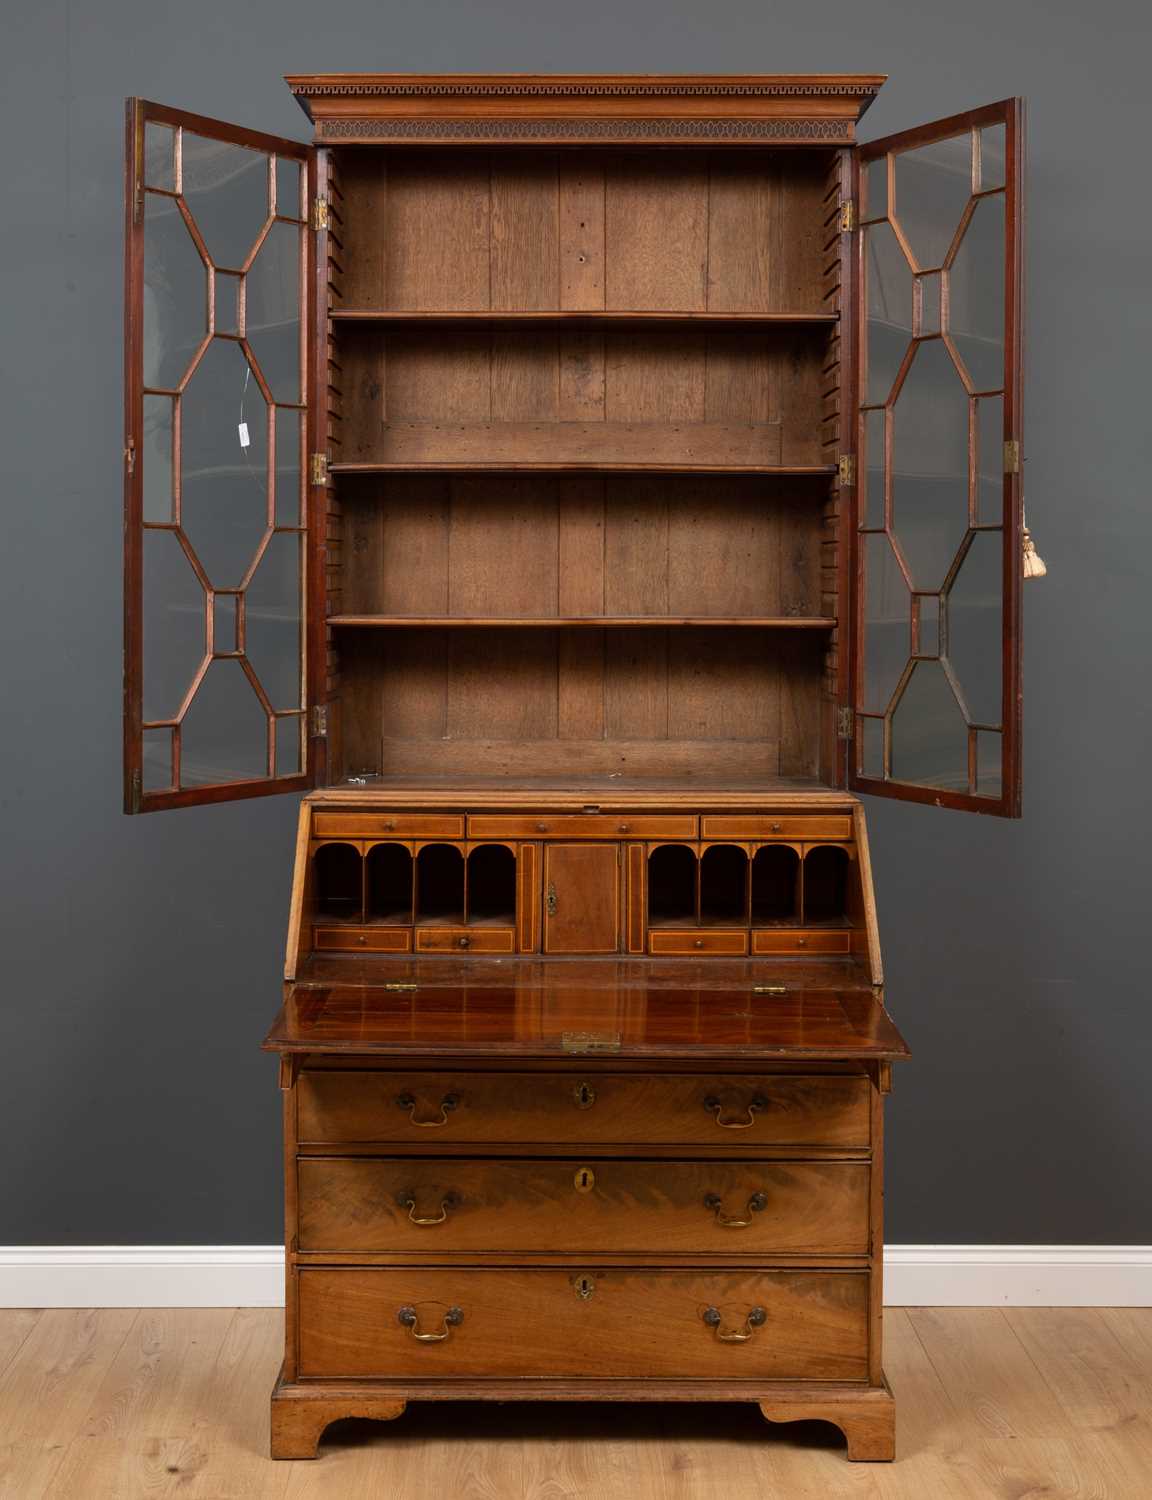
column 1034, row 564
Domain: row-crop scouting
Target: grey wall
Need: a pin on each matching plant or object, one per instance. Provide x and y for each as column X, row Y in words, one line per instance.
column 140, row 956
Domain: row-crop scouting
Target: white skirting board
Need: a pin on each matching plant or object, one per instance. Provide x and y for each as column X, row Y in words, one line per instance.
column 253, row 1276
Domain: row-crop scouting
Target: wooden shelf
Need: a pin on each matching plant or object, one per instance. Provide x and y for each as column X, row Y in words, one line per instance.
column 507, row 467
column 580, row 622
column 565, row 315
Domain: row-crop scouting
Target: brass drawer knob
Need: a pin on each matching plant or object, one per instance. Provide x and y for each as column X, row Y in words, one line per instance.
column 801, row 942
column 447, row 1105
column 410, row 1318
column 542, row 827
column 464, row 942
column 755, row 1319
column 699, row 943
column 775, row 827
column 408, row 1201
column 624, row 828
column 752, row 1108
column 756, row 1205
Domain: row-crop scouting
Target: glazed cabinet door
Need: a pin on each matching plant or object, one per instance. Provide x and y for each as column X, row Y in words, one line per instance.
column 938, row 532
column 216, row 435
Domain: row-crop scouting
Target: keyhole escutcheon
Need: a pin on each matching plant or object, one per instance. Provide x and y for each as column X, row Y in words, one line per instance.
column 585, row 1179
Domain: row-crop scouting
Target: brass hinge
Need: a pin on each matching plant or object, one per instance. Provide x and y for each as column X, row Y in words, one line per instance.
column 846, row 469
column 1011, row 456
column 319, row 468
column 847, row 216
column 844, row 723
column 137, row 790
column 590, row 1041
column 399, row 984
column 319, row 721
column 769, row 989
column 320, row 213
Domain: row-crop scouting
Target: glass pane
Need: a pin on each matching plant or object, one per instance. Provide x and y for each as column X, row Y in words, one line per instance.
column 887, row 617
column 929, row 303
column 928, row 606
column 289, row 488
column 889, row 294
column 288, row 751
column 989, row 763
column 289, row 204
column 876, row 189
column 933, row 185
column 226, row 187
column 156, row 458
column 929, row 733
column 990, row 460
column 874, row 423
column 272, row 311
column 976, row 295
column 930, row 465
column 175, row 309
column 975, row 620
column 174, row 631
column 157, row 760
column 159, row 156
column 272, row 622
column 992, row 154
column 224, row 496
column 224, row 736
column 224, row 624
column 227, row 302
column 872, row 748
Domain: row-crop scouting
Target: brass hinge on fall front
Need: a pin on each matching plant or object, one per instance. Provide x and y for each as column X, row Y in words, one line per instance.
column 319, row 721
column 590, row 1041
column 320, row 213
column 1012, row 457
column 844, row 723
column 847, row 216
column 399, row 984
column 319, row 468
column 846, row 469
column 769, row 989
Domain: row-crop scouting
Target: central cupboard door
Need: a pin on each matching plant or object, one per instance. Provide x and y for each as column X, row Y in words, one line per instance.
column 581, row 898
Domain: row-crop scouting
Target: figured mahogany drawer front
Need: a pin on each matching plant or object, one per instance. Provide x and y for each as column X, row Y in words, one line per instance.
column 582, row 826
column 363, row 939
column 692, row 940
column 785, row 941
column 583, row 1321
column 388, row 825
column 465, row 940
column 438, row 1205
column 743, row 826
column 558, row 1108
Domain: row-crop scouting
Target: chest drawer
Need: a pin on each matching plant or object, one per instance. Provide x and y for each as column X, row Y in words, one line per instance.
column 584, row 1322
column 388, row 825
column 440, row 1205
column 583, row 1108
column 582, row 826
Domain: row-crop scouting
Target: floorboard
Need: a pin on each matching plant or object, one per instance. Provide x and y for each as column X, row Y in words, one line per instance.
column 994, row 1404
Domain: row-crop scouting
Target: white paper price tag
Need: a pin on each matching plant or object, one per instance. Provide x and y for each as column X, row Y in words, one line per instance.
column 244, row 439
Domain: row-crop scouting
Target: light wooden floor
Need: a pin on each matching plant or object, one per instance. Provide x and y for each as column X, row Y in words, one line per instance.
column 1018, row 1404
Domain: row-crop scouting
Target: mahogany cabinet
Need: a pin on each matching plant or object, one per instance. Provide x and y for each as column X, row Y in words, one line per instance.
column 581, row 486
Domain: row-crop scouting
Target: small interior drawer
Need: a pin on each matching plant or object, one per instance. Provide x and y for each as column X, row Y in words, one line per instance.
column 582, row 826
column 384, row 825
column 689, row 940
column 578, row 1321
column 768, row 826
column 782, row 940
column 363, row 939
column 465, row 940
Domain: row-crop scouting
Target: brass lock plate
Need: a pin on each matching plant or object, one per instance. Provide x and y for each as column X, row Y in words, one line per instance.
column 584, row 1286
column 585, row 1179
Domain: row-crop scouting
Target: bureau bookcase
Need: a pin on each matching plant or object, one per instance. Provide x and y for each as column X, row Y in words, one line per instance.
column 581, row 487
